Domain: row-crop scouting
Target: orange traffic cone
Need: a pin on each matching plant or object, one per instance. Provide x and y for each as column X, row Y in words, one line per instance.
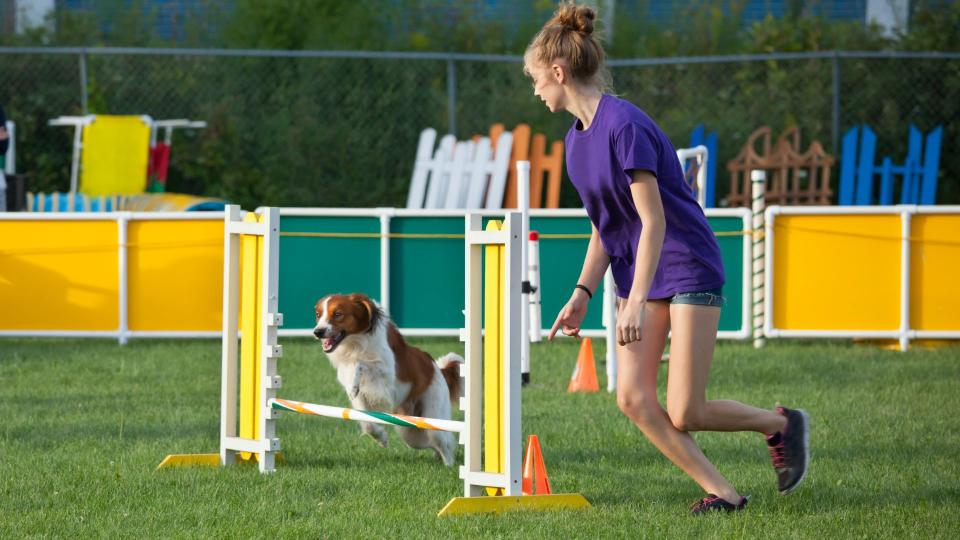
column 584, row 377
column 535, row 481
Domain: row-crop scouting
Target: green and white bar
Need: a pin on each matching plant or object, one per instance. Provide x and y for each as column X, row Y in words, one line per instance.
column 375, row 417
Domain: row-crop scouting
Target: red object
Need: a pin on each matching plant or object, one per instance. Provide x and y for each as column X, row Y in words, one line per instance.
column 534, row 235
column 159, row 163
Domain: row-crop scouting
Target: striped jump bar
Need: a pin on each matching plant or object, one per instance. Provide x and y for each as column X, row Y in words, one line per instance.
column 375, row 417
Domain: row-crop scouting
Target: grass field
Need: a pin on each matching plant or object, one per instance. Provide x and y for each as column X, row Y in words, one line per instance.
column 84, row 423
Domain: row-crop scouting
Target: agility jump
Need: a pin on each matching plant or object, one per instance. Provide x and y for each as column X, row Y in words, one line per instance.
column 490, row 431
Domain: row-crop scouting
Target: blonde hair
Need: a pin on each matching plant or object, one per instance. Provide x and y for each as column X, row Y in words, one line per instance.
column 568, row 36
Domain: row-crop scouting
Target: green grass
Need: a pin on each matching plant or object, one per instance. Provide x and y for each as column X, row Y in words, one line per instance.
column 84, row 423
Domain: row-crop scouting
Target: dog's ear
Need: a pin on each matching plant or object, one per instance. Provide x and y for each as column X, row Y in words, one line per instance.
column 373, row 312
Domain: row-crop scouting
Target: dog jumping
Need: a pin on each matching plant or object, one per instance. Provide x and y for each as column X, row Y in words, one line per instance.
column 380, row 372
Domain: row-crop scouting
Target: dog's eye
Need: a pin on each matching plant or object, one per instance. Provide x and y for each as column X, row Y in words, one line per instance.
column 337, row 314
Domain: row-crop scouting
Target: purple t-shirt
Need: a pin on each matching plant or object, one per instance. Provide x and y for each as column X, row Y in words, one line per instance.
column 622, row 138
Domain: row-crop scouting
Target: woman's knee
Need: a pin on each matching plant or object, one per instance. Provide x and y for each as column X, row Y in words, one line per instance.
column 638, row 407
column 685, row 418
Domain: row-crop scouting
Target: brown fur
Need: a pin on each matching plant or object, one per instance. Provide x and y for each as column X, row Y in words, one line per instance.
column 359, row 314
column 451, row 373
column 413, row 366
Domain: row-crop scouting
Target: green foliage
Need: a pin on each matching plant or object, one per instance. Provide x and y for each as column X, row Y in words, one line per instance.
column 342, row 132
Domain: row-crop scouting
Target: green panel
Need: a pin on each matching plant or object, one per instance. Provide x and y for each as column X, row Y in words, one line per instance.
column 561, row 260
column 313, row 267
column 427, row 274
column 731, row 250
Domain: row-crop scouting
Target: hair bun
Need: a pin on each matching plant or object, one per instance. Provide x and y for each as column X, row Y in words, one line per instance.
column 574, row 17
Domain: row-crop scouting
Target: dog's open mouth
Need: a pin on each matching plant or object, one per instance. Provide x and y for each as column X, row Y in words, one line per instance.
column 330, row 343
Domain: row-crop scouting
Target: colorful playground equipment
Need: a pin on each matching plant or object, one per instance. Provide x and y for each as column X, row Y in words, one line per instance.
column 490, row 431
column 918, row 173
column 116, row 161
column 160, row 151
column 144, row 202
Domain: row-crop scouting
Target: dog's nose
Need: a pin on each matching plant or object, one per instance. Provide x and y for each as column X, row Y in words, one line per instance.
column 318, row 332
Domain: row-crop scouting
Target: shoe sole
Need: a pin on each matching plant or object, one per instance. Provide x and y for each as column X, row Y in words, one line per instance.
column 806, row 451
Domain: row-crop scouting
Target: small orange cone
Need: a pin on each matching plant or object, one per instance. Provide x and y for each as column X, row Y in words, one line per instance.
column 535, row 480
column 584, row 377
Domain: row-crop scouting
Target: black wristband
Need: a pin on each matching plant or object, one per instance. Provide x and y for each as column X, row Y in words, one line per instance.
column 585, row 289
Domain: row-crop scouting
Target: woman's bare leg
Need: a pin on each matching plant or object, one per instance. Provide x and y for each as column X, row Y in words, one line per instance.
column 638, row 364
column 691, row 354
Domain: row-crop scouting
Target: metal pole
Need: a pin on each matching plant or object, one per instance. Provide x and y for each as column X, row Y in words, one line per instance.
column 83, row 82
column 451, row 97
column 835, row 126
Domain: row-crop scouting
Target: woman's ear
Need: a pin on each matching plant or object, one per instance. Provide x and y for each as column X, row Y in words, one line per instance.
column 559, row 73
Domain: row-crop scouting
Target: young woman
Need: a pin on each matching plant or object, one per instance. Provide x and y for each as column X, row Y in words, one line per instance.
column 665, row 260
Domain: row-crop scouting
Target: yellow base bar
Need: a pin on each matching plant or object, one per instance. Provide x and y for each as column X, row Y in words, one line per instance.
column 479, row 505
column 190, row 460
column 894, row 345
column 203, row 460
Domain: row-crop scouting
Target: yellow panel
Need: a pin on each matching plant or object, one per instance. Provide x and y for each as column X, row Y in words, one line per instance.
column 836, row 272
column 493, row 358
column 114, row 156
column 934, row 260
column 176, row 275
column 59, row 275
column 479, row 505
column 250, row 290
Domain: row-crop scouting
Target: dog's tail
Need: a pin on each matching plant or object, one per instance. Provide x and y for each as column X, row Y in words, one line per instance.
column 450, row 367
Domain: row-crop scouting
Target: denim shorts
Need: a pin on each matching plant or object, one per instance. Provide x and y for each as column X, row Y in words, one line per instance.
column 711, row 297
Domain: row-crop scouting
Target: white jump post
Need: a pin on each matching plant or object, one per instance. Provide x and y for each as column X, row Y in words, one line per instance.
column 523, row 202
column 475, row 479
column 266, row 226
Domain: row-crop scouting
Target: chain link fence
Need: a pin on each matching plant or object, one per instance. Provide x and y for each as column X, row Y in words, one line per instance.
column 341, row 128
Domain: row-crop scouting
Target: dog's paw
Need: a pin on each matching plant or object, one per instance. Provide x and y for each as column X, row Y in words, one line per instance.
column 380, row 437
column 377, row 433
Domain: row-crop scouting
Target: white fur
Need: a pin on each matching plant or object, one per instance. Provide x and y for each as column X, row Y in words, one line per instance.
column 366, row 368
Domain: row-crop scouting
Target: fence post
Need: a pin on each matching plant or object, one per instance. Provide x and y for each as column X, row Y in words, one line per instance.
column 83, row 81
column 451, row 97
column 835, row 124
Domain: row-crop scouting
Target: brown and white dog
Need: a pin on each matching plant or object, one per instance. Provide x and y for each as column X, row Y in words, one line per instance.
column 380, row 372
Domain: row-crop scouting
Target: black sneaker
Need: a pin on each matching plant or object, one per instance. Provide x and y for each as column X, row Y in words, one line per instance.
column 790, row 449
column 712, row 502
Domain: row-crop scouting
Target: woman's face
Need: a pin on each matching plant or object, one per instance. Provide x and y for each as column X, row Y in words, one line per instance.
column 545, row 86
